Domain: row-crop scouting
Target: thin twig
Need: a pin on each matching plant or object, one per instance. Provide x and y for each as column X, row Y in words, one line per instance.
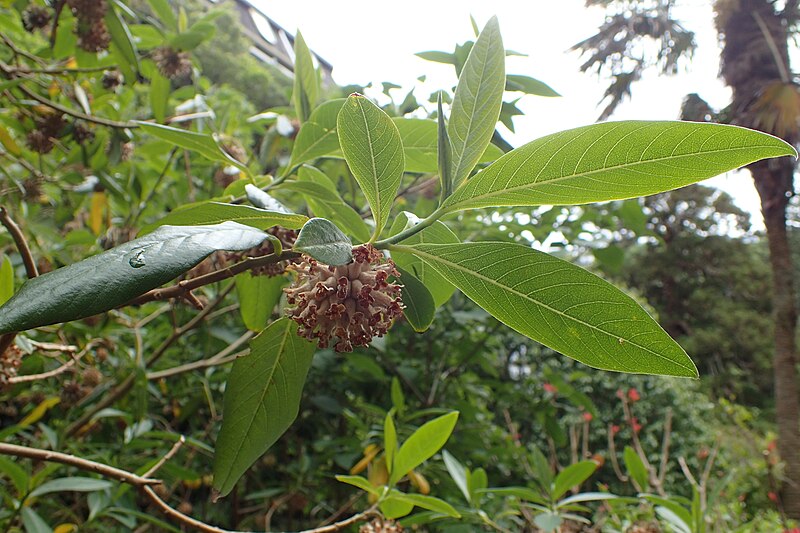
column 688, row 473
column 612, row 452
column 49, row 374
column 169, row 455
column 662, row 471
column 19, row 240
column 83, row 464
column 223, row 357
column 52, row 347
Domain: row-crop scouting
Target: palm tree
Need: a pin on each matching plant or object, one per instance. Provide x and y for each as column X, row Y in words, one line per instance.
column 755, row 65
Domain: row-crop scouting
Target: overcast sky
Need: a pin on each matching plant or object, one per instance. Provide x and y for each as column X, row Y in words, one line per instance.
column 376, row 41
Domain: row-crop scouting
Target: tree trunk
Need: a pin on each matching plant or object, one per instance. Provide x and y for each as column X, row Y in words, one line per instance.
column 771, row 179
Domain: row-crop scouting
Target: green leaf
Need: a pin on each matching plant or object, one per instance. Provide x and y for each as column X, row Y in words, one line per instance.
column 306, row 80
column 560, row 305
column 426, row 502
column 572, row 476
column 33, row 522
column 114, row 277
column 16, row 474
column 674, row 520
column 322, row 240
column 398, row 399
column 317, row 136
column 263, row 200
column 676, row 508
column 419, row 305
column 262, row 399
column 204, row 213
column 613, row 161
column 70, row 484
column 6, row 279
column 389, row 441
column 458, row 473
column 199, row 143
column 393, row 507
column 437, row 57
column 437, row 233
column 361, row 483
column 421, row 145
column 165, row 13
column 548, row 522
column 636, row 468
column 523, row 493
column 121, row 35
column 528, row 85
column 373, row 150
column 477, row 480
column 587, row 497
column 196, row 35
column 257, row 297
column 477, row 102
column 159, row 95
column 444, row 151
column 422, row 445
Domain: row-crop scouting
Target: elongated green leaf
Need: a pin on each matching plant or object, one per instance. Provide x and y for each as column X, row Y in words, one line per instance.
column 16, row 474
column 427, row 502
column 444, row 151
column 374, row 152
column 121, row 35
column 322, row 240
column 560, row 305
column 33, row 522
column 6, row 279
column 477, row 102
column 194, row 36
column 636, row 468
column 114, row 277
column 71, row 484
column 437, row 233
column 263, row 200
column 361, row 483
column 199, row 143
column 683, row 514
column 420, row 145
column 613, row 161
column 419, row 305
column 438, row 57
column 548, row 522
column 389, row 441
column 528, row 85
column 258, row 296
column 422, row 445
column 306, row 81
column 459, row 474
column 587, row 497
column 159, row 94
column 393, row 507
column 214, row 212
column 572, row 476
column 317, row 136
column 262, row 399
column 523, row 493
column 165, row 13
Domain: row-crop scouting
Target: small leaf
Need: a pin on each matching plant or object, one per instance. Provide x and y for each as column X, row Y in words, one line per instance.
column 398, row 400
column 317, row 136
column 373, row 150
column 322, row 240
column 477, row 102
column 572, row 476
column 636, row 468
column 587, row 497
column 98, row 208
column 121, row 35
column 197, row 34
column 389, row 441
column 426, row 502
column 548, row 522
column 422, row 445
column 262, row 399
column 458, row 473
column 437, row 57
column 6, row 279
column 419, row 305
column 112, row 278
column 523, row 493
column 199, row 143
column 33, row 522
column 159, row 95
column 361, row 483
column 614, row 161
column 528, row 85
column 8, row 142
column 393, row 507
column 16, row 474
column 70, row 484
column 39, row 411
column 477, row 480
column 560, row 305
column 205, row 213
column 263, row 200
column 257, row 297
column 306, row 80
column 165, row 13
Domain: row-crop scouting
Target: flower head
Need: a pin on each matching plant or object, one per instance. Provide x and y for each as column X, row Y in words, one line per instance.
column 348, row 304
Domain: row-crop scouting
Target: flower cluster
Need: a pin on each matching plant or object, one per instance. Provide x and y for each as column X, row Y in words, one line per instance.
column 48, row 128
column 172, row 63
column 35, row 17
column 381, row 525
column 345, row 305
column 10, row 362
column 93, row 35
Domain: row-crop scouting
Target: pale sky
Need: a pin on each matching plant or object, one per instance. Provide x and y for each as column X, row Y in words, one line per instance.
column 376, row 41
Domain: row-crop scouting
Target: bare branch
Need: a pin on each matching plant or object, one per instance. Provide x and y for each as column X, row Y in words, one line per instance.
column 169, row 455
column 223, row 357
column 19, row 240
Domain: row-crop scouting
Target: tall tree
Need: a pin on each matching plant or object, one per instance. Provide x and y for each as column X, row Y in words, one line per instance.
column 755, row 65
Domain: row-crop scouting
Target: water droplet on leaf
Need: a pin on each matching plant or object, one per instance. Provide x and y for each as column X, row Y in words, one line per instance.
column 137, row 261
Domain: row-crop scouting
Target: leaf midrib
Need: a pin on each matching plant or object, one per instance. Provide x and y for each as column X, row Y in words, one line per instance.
column 455, row 205
column 378, row 211
column 542, row 304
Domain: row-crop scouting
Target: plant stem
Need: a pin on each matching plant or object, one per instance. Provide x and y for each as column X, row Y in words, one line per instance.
column 385, row 244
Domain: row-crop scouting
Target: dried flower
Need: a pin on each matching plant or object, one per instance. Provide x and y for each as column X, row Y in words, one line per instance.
column 172, row 63
column 35, row 17
column 352, row 303
column 10, row 361
column 81, row 132
column 93, row 36
column 111, row 79
column 287, row 238
column 381, row 525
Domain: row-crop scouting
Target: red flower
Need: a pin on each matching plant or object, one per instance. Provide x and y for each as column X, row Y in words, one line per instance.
column 635, row 425
column 772, row 496
column 587, row 417
column 615, row 429
column 549, row 387
column 633, row 395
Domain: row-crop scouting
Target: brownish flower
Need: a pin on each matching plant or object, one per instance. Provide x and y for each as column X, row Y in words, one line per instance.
column 381, row 525
column 287, row 238
column 10, row 361
column 35, row 17
column 352, row 303
column 112, row 79
column 172, row 63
